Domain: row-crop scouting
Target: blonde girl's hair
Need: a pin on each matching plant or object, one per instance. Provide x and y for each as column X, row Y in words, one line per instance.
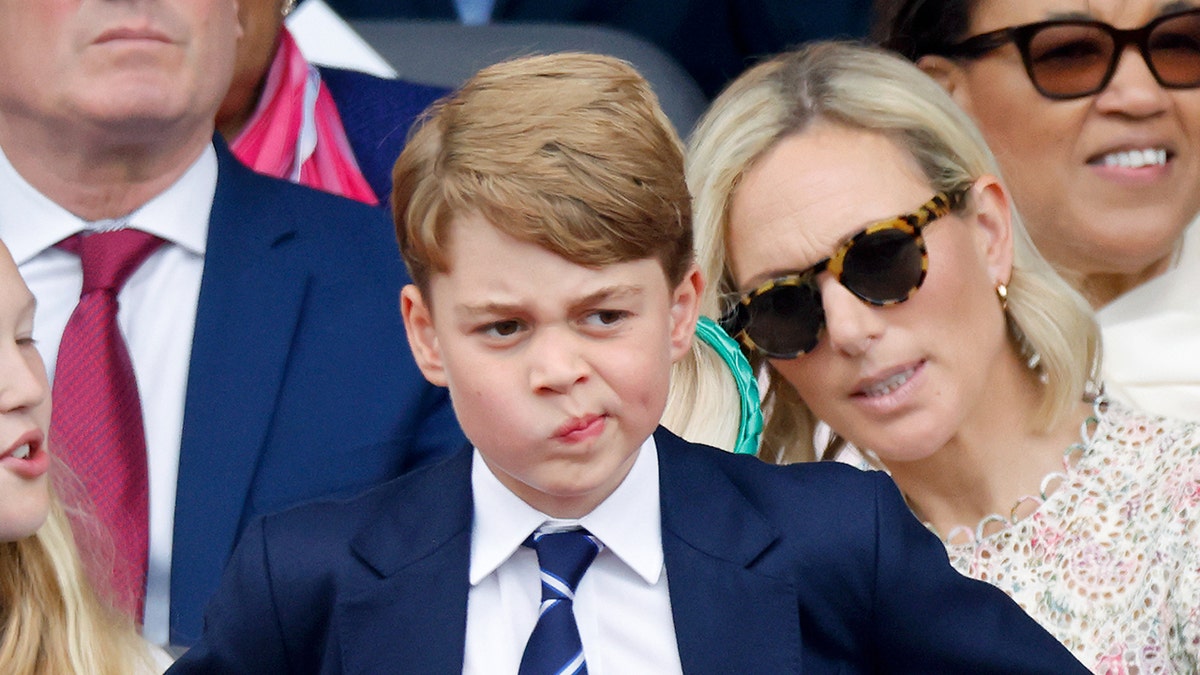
column 53, row 622
column 865, row 88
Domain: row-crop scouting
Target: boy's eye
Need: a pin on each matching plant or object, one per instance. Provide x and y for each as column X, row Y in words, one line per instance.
column 502, row 328
column 606, row 317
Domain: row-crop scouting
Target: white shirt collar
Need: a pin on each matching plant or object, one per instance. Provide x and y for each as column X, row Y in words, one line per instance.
column 31, row 223
column 628, row 521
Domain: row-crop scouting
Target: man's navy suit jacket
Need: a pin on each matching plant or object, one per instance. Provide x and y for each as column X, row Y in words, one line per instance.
column 813, row 568
column 376, row 114
column 301, row 382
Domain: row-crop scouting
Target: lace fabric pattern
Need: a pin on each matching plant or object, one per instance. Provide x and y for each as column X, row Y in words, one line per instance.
column 1110, row 562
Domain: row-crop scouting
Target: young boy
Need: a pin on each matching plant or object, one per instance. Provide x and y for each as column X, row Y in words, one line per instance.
column 542, row 213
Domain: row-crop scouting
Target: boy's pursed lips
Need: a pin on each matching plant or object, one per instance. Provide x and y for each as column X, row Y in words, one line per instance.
column 579, row 428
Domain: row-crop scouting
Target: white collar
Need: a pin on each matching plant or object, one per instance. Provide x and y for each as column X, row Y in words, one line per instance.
column 628, row 521
column 31, row 223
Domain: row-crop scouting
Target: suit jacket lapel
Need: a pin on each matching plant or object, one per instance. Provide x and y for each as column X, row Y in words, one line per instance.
column 251, row 297
column 410, row 615
column 729, row 617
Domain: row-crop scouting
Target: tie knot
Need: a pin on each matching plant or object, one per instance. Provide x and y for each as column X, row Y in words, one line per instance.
column 563, row 557
column 109, row 258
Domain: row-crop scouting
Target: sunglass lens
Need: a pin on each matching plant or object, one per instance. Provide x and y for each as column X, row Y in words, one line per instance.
column 884, row 267
column 786, row 320
column 1175, row 50
column 1070, row 60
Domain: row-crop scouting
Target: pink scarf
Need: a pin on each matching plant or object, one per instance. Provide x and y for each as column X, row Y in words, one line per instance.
column 296, row 132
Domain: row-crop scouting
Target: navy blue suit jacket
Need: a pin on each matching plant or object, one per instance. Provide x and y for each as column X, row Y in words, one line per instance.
column 376, row 113
column 814, row 568
column 301, row 383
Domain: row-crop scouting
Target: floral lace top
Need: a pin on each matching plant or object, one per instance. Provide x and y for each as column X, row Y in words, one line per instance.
column 1110, row 563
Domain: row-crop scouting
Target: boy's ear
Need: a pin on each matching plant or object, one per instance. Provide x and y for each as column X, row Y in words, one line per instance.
column 685, row 311
column 422, row 340
column 994, row 218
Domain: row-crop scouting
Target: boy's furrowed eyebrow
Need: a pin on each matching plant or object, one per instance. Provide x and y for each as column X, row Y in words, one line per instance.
column 486, row 309
column 609, row 293
column 606, row 294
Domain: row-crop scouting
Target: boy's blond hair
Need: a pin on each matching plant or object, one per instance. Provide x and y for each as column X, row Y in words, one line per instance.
column 567, row 151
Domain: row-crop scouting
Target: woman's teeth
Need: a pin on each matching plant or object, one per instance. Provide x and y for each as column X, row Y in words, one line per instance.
column 22, row 452
column 890, row 384
column 1136, row 159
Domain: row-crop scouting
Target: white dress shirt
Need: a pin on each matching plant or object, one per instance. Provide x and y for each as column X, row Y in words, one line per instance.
column 621, row 606
column 157, row 316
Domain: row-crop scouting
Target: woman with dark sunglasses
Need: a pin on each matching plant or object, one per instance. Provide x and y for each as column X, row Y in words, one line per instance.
column 1093, row 110
column 863, row 251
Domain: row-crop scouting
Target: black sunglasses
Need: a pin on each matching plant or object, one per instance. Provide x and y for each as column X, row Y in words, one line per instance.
column 1072, row 59
column 883, row 264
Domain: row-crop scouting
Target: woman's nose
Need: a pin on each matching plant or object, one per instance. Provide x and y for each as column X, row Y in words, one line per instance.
column 851, row 325
column 1133, row 90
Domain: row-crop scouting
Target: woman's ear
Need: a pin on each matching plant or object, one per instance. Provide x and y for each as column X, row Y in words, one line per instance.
column 949, row 74
column 422, row 339
column 994, row 217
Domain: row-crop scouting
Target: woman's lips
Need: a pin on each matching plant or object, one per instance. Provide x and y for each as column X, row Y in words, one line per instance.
column 1133, row 159
column 1133, row 162
column 882, row 385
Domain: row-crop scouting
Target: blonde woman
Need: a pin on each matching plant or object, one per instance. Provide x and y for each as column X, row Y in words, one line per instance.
column 862, row 247
column 51, row 621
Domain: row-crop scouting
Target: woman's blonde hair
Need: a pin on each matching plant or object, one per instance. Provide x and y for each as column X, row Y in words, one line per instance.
column 703, row 403
column 865, row 88
column 53, row 622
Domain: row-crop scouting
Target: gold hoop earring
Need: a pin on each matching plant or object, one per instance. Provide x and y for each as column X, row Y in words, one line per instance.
column 1002, row 293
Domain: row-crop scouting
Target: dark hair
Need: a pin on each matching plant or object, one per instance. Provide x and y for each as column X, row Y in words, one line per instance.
column 916, row 28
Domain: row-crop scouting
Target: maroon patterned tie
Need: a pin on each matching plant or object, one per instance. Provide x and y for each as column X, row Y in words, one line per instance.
column 96, row 424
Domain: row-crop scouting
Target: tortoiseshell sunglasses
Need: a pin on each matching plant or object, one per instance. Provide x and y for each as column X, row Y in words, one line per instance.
column 884, row 264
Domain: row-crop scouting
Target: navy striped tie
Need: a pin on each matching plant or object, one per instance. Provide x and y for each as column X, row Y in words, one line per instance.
column 554, row 647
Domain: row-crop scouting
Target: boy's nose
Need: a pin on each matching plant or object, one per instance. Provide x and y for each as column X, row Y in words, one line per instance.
column 558, row 362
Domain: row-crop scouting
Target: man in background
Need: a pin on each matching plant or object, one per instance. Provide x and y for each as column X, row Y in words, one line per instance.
column 246, row 337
